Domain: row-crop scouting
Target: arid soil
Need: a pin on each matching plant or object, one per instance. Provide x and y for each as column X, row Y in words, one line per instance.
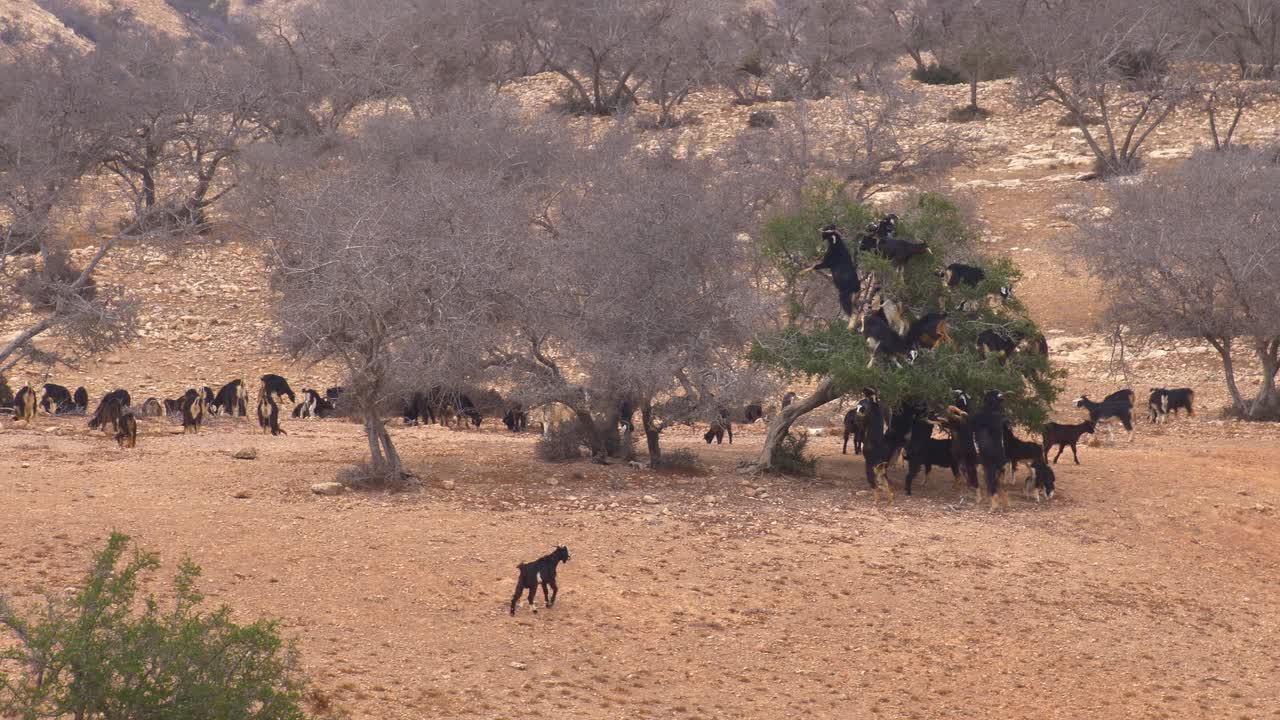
column 1149, row 588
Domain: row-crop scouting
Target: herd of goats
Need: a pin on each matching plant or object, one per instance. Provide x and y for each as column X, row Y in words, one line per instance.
column 977, row 437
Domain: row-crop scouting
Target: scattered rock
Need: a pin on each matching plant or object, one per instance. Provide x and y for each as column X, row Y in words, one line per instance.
column 708, row 498
column 635, row 465
column 649, row 500
column 518, row 665
column 26, row 465
column 448, row 484
column 247, row 453
column 242, row 495
column 328, row 488
column 553, row 481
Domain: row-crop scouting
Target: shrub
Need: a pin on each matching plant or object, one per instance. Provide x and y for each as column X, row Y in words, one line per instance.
column 935, row 74
column 762, row 119
column 791, row 456
column 6, row 393
column 680, row 460
column 365, row 476
column 561, row 443
column 968, row 113
column 101, row 654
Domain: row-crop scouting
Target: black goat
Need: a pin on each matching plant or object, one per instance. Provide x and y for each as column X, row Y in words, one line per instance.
column 899, row 429
column 960, row 399
column 882, row 339
column 752, row 413
column 1163, row 400
column 1065, row 436
column 56, row 400
column 957, row 274
column 875, row 448
column 113, row 404
column 516, row 419
column 926, row 451
column 964, row 455
column 719, row 426
column 989, row 428
column 1021, row 450
column 24, row 404
column 928, row 332
column 843, row 267
column 231, row 399
column 193, row 405
column 991, row 342
column 278, row 386
column 855, row 424
column 127, row 435
column 1041, row 480
column 312, row 405
column 541, row 571
column 269, row 414
column 1119, row 408
column 789, row 398
column 899, row 252
column 81, row 400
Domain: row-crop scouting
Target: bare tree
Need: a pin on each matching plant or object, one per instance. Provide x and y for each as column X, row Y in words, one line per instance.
column 868, row 147
column 402, row 261
column 976, row 38
column 643, row 292
column 1245, row 33
column 1224, row 101
column 1116, row 61
column 1193, row 253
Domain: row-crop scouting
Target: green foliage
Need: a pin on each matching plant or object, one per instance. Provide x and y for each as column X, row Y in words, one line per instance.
column 825, row 348
column 791, row 456
column 935, row 74
column 99, row 655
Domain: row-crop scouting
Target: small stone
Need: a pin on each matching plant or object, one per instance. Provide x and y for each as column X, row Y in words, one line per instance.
column 634, row 465
column 666, row 511
column 242, row 495
column 247, row 453
column 328, row 488
column 448, row 484
column 518, row 665
column 553, row 481
column 649, row 500
column 26, row 465
column 708, row 498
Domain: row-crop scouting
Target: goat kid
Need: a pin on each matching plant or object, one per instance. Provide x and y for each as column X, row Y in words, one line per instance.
column 541, row 571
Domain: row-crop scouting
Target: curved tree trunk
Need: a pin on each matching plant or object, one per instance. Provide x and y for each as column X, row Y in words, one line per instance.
column 781, row 424
column 651, row 435
column 1267, row 401
column 382, row 453
column 1229, row 373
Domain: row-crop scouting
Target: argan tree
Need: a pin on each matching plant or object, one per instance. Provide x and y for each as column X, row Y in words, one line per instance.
column 818, row 347
column 1191, row 253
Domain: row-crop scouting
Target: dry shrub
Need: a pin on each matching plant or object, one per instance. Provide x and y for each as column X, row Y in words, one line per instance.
column 791, row 457
column 680, row 461
column 561, row 443
column 365, row 476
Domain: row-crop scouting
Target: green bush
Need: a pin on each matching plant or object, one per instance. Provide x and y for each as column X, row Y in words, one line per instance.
column 103, row 655
column 935, row 74
column 791, row 456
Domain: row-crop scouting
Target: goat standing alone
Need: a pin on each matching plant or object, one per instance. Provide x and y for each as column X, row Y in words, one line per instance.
column 541, row 571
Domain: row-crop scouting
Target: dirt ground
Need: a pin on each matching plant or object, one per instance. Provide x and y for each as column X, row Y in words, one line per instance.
column 1149, row 587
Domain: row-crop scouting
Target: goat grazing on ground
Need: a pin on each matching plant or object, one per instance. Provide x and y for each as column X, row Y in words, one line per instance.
column 875, row 448
column 1040, row 481
column 843, row 267
column 151, row 407
column 1119, row 408
column 231, row 399
column 113, row 404
column 56, row 400
column 541, row 571
column 1163, row 401
column 720, row 425
column 269, row 414
column 127, row 435
column 278, row 386
column 1021, row 450
column 1065, row 436
column 516, row 419
column 81, row 400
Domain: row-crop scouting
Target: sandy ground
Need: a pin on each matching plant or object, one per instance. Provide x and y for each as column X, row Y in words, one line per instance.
column 1150, row 587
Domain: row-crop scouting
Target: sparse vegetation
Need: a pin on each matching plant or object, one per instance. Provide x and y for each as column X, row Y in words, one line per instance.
column 103, row 653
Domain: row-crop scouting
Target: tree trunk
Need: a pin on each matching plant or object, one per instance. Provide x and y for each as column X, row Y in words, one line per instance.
column 973, row 90
column 1229, row 373
column 375, row 442
column 651, row 435
column 1266, row 401
column 781, row 424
